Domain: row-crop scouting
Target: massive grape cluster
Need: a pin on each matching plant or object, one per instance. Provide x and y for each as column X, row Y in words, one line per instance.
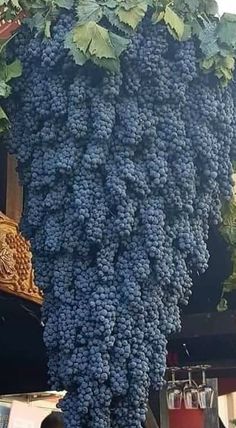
column 123, row 175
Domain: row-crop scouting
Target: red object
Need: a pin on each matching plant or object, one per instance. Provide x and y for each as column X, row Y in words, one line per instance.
column 172, row 359
column 226, row 385
column 8, row 28
column 186, row 418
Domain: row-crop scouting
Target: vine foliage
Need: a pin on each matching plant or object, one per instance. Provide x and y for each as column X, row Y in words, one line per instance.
column 104, row 28
column 228, row 230
column 8, row 71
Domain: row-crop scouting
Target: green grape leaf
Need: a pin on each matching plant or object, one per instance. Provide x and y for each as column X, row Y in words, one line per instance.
column 119, row 43
column 110, row 64
column 211, row 7
column 82, row 36
column 227, row 30
column 65, row 4
column 187, row 33
column 229, row 232
column 133, row 16
column 13, row 70
column 192, row 5
column 4, row 121
column 174, row 22
column 115, row 22
column 79, row 57
column 196, row 27
column 37, row 21
column 100, row 45
column 225, row 73
column 88, row 10
column 5, row 89
column 158, row 16
column 207, row 63
column 208, row 38
column 111, row 4
column 95, row 39
column 230, row 284
column 229, row 62
column 15, row 3
column 130, row 4
column 229, row 17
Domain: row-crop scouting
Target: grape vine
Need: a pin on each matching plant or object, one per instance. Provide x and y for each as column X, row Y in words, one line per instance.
column 123, row 175
column 103, row 29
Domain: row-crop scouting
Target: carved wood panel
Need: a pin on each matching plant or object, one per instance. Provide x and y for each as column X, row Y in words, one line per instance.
column 16, row 273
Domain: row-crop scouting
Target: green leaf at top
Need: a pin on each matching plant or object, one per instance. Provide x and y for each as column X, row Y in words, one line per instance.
column 110, row 64
column 88, row 10
column 130, row 4
column 100, row 45
column 228, row 17
column 133, row 16
column 111, row 4
column 158, row 16
column 175, row 22
column 15, row 3
column 82, row 36
column 229, row 62
column 115, row 22
column 13, row 70
column 187, row 34
column 227, row 30
column 65, row 4
column 192, row 5
column 119, row 43
column 93, row 39
column 207, row 63
column 211, row 7
column 79, row 57
column 208, row 37
column 37, row 21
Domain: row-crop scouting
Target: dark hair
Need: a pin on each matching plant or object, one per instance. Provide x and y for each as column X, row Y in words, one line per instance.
column 54, row 420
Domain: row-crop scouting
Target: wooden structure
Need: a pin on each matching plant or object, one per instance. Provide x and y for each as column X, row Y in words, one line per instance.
column 16, row 274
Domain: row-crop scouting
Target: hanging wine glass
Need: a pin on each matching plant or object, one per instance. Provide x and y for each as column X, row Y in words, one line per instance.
column 205, row 392
column 174, row 392
column 190, row 392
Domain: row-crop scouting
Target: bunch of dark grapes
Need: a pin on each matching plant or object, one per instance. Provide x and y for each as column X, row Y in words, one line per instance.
column 123, row 175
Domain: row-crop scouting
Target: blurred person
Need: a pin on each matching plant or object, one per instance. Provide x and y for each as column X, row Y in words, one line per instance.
column 54, row 420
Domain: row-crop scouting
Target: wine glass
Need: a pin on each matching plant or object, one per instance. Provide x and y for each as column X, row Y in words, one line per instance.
column 205, row 392
column 174, row 392
column 190, row 392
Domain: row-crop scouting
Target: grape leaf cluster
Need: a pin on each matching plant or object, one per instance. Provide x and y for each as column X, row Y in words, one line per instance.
column 123, row 175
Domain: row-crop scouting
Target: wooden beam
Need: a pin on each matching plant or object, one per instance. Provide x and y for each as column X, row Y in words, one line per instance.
column 14, row 193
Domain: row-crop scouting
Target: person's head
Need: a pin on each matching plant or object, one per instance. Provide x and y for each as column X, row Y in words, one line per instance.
column 54, row 420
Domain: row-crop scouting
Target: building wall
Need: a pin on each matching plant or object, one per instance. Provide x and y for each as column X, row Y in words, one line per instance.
column 227, row 409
